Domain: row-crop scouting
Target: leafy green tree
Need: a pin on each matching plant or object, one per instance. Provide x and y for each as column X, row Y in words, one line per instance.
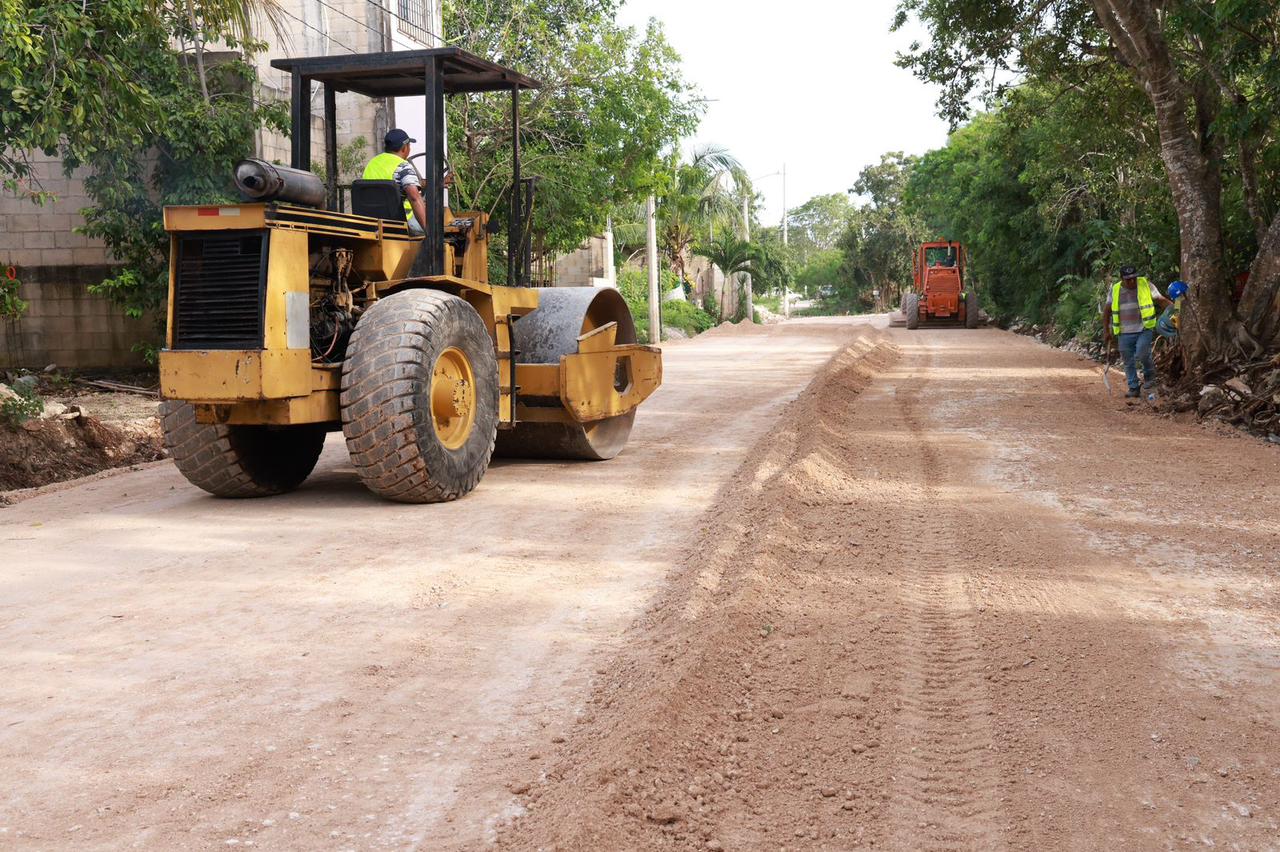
column 126, row 88
column 613, row 103
column 823, row 276
column 1209, row 75
column 773, row 267
column 816, row 225
column 882, row 234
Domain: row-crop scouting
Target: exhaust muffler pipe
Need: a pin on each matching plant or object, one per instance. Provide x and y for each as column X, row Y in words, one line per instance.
column 259, row 180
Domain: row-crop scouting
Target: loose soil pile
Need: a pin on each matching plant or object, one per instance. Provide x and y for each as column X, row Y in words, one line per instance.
column 112, row 430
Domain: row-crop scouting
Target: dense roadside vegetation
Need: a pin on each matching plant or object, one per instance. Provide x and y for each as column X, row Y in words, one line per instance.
column 1079, row 159
column 1146, row 132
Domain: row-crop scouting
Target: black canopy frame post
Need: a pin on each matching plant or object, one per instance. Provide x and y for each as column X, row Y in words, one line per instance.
column 300, row 119
column 331, row 148
column 515, row 229
column 434, row 74
column 434, row 178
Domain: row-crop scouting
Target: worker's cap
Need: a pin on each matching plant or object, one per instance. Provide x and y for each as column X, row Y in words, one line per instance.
column 396, row 139
column 1128, row 272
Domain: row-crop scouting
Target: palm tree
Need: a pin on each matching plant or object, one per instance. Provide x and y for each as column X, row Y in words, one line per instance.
column 700, row 199
column 733, row 256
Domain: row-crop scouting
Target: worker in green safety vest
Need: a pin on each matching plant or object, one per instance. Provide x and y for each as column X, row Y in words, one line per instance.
column 393, row 164
column 1130, row 317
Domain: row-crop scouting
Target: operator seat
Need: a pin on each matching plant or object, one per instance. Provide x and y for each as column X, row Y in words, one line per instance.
column 378, row 199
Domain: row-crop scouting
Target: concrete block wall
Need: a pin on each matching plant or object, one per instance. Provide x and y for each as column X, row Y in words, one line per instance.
column 707, row 278
column 63, row 324
column 589, row 265
column 43, row 235
column 67, row 326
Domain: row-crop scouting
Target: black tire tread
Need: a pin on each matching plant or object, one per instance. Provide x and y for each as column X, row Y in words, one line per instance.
column 385, row 367
column 911, row 309
column 971, row 311
column 211, row 457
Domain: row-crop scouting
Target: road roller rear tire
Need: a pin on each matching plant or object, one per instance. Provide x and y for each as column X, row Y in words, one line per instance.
column 543, row 337
column 239, row 461
column 911, row 309
column 420, row 397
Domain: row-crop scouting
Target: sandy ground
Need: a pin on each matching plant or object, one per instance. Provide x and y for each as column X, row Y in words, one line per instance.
column 328, row 670
column 950, row 597
column 958, row 599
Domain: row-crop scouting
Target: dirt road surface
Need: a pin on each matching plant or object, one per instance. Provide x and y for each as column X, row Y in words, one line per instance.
column 950, row 597
column 327, row 669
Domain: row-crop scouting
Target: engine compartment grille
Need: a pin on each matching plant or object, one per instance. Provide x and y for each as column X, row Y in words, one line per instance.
column 219, row 290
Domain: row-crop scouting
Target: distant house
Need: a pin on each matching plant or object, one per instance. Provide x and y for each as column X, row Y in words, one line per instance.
column 67, row 326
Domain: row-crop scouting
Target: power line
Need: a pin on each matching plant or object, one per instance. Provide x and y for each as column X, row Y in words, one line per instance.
column 376, row 32
column 421, row 26
column 381, row 8
column 320, row 32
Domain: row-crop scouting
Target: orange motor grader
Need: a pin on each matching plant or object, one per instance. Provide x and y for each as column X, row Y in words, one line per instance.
column 942, row 295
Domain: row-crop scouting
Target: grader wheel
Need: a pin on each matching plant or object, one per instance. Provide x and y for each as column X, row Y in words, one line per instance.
column 971, row 314
column 911, row 309
column 239, row 461
column 420, row 397
column 543, row 336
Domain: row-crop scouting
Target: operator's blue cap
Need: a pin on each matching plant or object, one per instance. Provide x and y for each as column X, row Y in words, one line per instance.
column 395, row 139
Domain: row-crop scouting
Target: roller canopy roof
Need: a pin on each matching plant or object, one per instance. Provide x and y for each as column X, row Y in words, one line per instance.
column 400, row 73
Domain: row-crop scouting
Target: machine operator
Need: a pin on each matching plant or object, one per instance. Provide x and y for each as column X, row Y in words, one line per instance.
column 393, row 164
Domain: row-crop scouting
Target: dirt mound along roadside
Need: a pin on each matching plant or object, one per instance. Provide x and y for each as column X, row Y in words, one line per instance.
column 40, row 452
column 691, row 741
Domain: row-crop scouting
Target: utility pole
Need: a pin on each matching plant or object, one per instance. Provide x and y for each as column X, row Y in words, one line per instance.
column 785, row 217
column 746, row 236
column 786, row 291
column 610, row 271
column 651, row 251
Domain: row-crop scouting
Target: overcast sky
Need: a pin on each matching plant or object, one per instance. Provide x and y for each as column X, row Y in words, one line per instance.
column 812, row 85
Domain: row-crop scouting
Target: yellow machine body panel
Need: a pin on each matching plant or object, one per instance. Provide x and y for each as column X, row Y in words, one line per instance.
column 596, row 385
column 233, row 375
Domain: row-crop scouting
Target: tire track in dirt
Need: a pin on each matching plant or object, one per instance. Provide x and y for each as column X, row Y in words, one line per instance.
column 946, row 783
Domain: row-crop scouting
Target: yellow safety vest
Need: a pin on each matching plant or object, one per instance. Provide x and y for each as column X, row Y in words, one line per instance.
column 1146, row 305
column 383, row 167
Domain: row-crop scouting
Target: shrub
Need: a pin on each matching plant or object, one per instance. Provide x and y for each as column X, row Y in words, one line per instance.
column 710, row 304
column 22, row 406
column 1076, row 313
column 687, row 317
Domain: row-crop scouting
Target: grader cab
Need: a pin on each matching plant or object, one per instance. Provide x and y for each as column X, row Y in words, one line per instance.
column 942, row 294
column 290, row 317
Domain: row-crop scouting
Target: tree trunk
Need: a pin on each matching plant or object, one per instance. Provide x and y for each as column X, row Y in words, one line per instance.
column 1252, row 195
column 199, row 45
column 1209, row 327
column 1260, row 305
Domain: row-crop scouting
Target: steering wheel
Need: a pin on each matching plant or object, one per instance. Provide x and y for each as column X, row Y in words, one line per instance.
column 413, row 157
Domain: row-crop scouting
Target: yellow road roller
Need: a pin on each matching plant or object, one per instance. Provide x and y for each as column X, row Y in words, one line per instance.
column 291, row 316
